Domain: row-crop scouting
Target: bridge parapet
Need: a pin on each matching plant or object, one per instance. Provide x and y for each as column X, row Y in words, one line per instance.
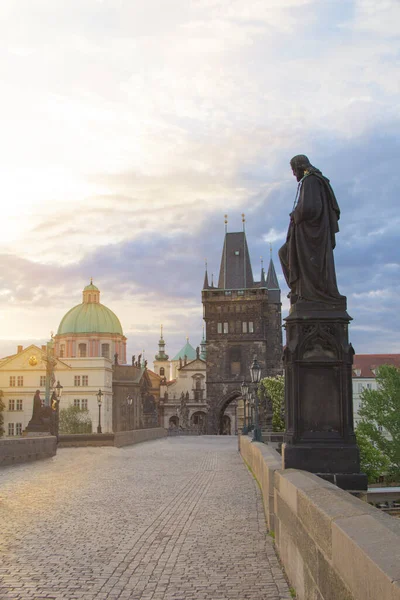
column 333, row 545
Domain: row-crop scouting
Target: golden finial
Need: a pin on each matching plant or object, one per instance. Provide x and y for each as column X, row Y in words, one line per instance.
column 226, row 223
column 187, row 338
column 91, row 280
column 270, row 250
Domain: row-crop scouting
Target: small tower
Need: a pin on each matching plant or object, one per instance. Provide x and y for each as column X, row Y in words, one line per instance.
column 161, row 359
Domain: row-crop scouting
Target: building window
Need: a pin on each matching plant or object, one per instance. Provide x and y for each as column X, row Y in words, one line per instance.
column 12, row 381
column 368, row 386
column 84, row 403
column 219, row 328
column 226, row 328
column 240, row 293
column 162, row 372
column 18, row 428
column 11, row 429
column 235, row 361
column 238, row 326
column 244, row 327
column 42, row 381
column 85, row 380
column 82, row 350
column 77, row 380
column 251, row 327
column 77, row 402
column 360, row 388
column 20, row 380
column 105, row 350
column 18, row 404
column 62, row 350
column 11, row 405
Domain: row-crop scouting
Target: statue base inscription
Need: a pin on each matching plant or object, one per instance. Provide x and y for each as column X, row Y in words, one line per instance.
column 318, row 359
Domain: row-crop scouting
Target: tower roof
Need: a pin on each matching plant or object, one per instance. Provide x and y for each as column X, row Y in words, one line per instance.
column 272, row 280
column 235, row 272
column 187, row 351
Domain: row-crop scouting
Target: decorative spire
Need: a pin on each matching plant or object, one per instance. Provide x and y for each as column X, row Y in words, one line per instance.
column 205, row 285
column 91, row 281
column 212, row 280
column 226, row 223
column 161, row 348
column 272, row 280
column 203, row 348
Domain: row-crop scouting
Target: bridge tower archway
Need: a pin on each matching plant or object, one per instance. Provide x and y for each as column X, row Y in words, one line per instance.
column 229, row 413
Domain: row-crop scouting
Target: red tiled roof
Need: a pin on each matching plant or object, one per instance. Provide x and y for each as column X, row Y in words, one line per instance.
column 366, row 362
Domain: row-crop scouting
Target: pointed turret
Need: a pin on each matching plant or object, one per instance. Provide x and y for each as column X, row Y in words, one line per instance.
column 262, row 278
column 272, row 284
column 272, row 280
column 205, row 285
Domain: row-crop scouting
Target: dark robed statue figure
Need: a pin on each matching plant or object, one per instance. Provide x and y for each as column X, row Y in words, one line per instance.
column 307, row 256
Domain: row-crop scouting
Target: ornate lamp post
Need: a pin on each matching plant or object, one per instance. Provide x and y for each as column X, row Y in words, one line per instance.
column 244, row 389
column 129, row 401
column 255, row 373
column 99, row 397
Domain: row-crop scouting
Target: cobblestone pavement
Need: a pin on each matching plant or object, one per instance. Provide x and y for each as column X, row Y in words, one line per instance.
column 173, row 519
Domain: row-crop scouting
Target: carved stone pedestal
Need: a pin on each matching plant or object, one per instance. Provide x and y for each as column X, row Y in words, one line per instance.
column 318, row 361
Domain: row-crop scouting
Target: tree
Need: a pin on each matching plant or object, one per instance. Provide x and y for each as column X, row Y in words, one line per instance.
column 380, row 416
column 274, row 389
column 2, row 407
column 374, row 463
column 75, row 420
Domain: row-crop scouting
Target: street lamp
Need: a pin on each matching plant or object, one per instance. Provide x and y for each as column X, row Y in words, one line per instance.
column 255, row 374
column 244, row 389
column 129, row 401
column 99, row 397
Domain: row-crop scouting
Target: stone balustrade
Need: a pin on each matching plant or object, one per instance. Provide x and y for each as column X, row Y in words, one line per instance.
column 333, row 546
column 25, row 449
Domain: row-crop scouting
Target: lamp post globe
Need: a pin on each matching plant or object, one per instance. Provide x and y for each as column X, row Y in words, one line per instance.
column 99, row 400
column 245, row 390
column 255, row 374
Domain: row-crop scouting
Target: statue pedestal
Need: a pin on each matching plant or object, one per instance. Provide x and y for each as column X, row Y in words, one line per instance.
column 318, row 359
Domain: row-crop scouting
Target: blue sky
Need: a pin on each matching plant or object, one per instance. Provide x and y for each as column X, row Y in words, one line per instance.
column 131, row 128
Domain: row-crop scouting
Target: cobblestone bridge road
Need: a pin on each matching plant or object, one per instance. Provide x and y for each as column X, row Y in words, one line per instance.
column 173, row 519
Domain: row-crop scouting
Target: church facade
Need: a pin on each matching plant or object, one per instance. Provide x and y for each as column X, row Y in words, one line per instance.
column 243, row 320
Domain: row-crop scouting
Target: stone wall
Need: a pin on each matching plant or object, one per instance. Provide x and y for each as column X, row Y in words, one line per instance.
column 333, row 546
column 126, row 438
column 122, row 438
column 20, row 450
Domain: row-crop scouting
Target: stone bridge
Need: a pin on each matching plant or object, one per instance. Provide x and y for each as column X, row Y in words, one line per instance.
column 183, row 519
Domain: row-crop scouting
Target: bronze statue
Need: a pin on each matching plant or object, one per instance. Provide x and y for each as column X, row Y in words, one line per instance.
column 307, row 256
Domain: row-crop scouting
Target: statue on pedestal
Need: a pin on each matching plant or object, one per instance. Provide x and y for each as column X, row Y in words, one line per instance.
column 319, row 435
column 307, row 255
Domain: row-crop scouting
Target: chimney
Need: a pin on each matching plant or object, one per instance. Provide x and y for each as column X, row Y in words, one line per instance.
column 43, row 347
column 19, row 349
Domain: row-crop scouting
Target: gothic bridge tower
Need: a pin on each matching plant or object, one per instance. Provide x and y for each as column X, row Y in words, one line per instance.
column 243, row 319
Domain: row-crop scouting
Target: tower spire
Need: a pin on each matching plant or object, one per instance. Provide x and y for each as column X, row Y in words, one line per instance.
column 205, row 285
column 262, row 272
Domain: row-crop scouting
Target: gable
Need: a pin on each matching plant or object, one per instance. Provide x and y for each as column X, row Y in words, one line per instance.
column 31, row 358
column 195, row 365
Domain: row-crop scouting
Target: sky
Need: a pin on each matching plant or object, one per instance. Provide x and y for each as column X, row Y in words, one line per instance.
column 130, row 128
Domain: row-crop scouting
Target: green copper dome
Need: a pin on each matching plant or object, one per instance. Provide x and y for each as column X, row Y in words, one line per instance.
column 90, row 318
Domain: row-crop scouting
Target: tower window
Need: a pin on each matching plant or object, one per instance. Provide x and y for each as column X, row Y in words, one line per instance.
column 219, row 328
column 105, row 350
column 251, row 327
column 82, row 350
column 226, row 328
column 244, row 327
column 162, row 372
